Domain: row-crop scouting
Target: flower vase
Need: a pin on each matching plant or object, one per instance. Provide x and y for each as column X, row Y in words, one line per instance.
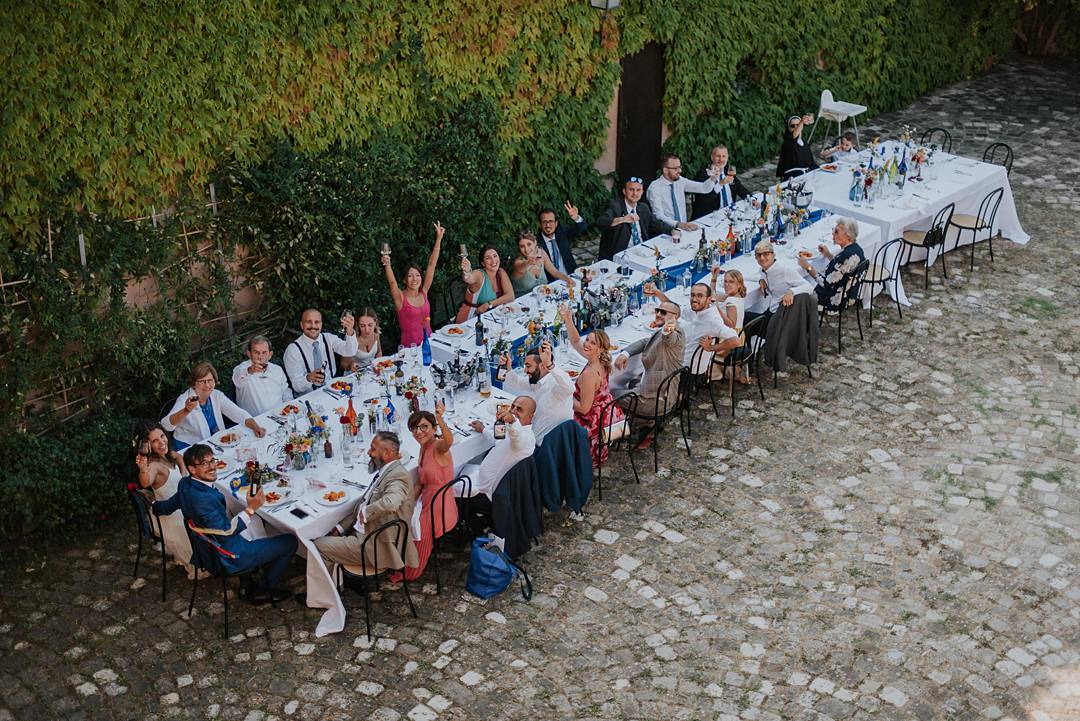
column 414, row 403
column 299, row 463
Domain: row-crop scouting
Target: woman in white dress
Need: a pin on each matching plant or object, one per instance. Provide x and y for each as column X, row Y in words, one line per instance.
column 160, row 471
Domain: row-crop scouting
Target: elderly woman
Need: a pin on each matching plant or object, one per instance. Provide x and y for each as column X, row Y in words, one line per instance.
column 485, row 288
column 830, row 284
column 197, row 412
column 533, row 267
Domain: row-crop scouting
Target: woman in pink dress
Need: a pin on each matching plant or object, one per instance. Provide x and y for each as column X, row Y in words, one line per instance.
column 591, row 394
column 413, row 308
column 436, row 469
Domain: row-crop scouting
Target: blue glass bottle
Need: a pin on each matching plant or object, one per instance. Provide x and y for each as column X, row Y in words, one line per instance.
column 425, row 350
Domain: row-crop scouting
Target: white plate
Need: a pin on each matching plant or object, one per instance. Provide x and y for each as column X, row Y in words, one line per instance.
column 466, row 331
column 236, row 436
column 321, row 500
column 283, row 493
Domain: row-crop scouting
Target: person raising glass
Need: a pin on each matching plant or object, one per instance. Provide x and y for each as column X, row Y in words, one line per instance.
column 412, row 305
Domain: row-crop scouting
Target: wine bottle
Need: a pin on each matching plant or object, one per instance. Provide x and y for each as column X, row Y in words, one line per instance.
column 479, row 331
column 425, row 350
column 350, row 413
column 314, row 421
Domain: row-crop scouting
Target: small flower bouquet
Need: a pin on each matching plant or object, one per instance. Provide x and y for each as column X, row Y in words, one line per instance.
column 413, row 389
column 298, row 450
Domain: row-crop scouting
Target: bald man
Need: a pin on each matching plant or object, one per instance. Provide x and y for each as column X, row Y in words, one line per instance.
column 519, row 444
column 309, row 360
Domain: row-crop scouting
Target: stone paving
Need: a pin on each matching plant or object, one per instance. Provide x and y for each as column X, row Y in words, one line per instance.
column 896, row 538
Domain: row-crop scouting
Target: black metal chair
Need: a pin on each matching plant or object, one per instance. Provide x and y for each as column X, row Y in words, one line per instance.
column 929, row 239
column 438, row 500
column 939, row 137
column 749, row 353
column 999, row 154
column 214, row 551
column 882, row 271
column 148, row 524
column 363, row 572
column 612, row 433
column 849, row 298
column 661, row 412
column 451, row 298
column 988, row 209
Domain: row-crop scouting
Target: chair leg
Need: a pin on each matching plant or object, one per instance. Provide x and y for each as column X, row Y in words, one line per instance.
column 858, row 319
column 840, row 331
column 138, row 557
column 897, row 289
column 655, row 448
column 630, row 450
column 990, row 244
column 194, row 587
column 757, row 375
column 405, row 587
column 731, row 388
column 225, row 598
column 685, row 430
column 944, row 267
column 974, row 235
column 872, row 303
column 367, row 613
column 712, row 393
column 600, row 474
column 164, row 575
column 435, row 561
column 926, row 271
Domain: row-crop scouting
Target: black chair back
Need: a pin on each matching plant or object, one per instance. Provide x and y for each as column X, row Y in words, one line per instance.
column 400, row 530
column 882, row 260
column 940, row 227
column 988, row 209
column 148, row 523
column 451, row 300
column 939, row 137
column 438, row 501
column 853, row 282
column 999, row 154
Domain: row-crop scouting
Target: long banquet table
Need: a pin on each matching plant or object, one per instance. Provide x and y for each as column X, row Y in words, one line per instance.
column 951, row 179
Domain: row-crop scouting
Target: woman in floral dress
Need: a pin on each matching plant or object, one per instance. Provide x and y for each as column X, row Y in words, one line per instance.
column 591, row 393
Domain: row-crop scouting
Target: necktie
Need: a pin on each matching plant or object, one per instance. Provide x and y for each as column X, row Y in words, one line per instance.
column 725, row 197
column 317, row 355
column 635, row 233
column 674, row 205
column 554, row 246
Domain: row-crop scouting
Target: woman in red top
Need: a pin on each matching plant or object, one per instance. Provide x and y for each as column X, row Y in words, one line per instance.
column 435, row 470
column 592, row 394
column 413, row 308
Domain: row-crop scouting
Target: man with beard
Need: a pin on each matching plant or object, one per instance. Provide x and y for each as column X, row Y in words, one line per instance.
column 549, row 386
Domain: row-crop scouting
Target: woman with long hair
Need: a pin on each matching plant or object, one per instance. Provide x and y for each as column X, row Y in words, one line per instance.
column 412, row 304
column 486, row 287
column 591, row 393
column 160, row 470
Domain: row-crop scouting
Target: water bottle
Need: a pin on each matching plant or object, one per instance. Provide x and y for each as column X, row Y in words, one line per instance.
column 687, row 280
column 425, row 350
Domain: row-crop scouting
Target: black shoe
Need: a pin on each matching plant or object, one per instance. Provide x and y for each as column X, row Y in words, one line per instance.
column 301, row 598
column 256, row 596
column 279, row 593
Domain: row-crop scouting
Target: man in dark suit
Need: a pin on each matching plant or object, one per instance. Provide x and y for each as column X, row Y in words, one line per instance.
column 200, row 501
column 555, row 238
column 726, row 190
column 628, row 221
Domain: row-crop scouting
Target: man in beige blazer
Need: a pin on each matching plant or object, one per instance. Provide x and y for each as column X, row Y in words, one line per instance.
column 391, row 498
column 661, row 355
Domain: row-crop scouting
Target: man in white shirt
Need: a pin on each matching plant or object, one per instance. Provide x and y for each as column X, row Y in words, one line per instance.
column 780, row 282
column 309, row 359
column 700, row 320
column 519, row 444
column 667, row 194
column 261, row 386
column 549, row 386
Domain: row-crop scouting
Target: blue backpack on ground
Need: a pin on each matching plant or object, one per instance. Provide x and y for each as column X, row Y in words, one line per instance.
column 491, row 571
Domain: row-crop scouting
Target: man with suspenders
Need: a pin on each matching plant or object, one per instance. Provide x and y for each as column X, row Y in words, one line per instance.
column 309, row 360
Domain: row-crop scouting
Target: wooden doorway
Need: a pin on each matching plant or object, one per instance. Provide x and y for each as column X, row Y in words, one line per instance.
column 641, row 117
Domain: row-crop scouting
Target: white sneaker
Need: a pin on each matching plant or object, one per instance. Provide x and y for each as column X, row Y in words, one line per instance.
column 577, row 516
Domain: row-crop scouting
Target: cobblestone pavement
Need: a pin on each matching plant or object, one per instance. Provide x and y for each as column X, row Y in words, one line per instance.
column 896, row 538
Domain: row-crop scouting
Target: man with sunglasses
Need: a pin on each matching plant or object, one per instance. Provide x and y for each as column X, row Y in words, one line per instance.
column 795, row 153
column 628, row 221
column 200, row 501
column 779, row 283
column 660, row 355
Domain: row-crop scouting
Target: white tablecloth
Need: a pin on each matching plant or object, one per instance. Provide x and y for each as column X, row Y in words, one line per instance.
column 321, row 590
column 951, row 179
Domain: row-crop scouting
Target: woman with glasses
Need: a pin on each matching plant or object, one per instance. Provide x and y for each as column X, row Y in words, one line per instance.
column 435, row 470
column 197, row 412
column 795, row 154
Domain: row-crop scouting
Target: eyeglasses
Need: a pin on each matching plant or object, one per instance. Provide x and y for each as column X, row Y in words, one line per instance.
column 203, row 462
column 762, row 255
column 204, row 382
column 672, row 167
column 660, row 311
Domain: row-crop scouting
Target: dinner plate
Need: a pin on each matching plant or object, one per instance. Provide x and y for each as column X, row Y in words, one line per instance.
column 338, row 496
column 275, row 494
column 455, row 331
column 229, row 439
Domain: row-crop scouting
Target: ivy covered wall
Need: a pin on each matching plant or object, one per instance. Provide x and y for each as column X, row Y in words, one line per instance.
column 327, row 128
